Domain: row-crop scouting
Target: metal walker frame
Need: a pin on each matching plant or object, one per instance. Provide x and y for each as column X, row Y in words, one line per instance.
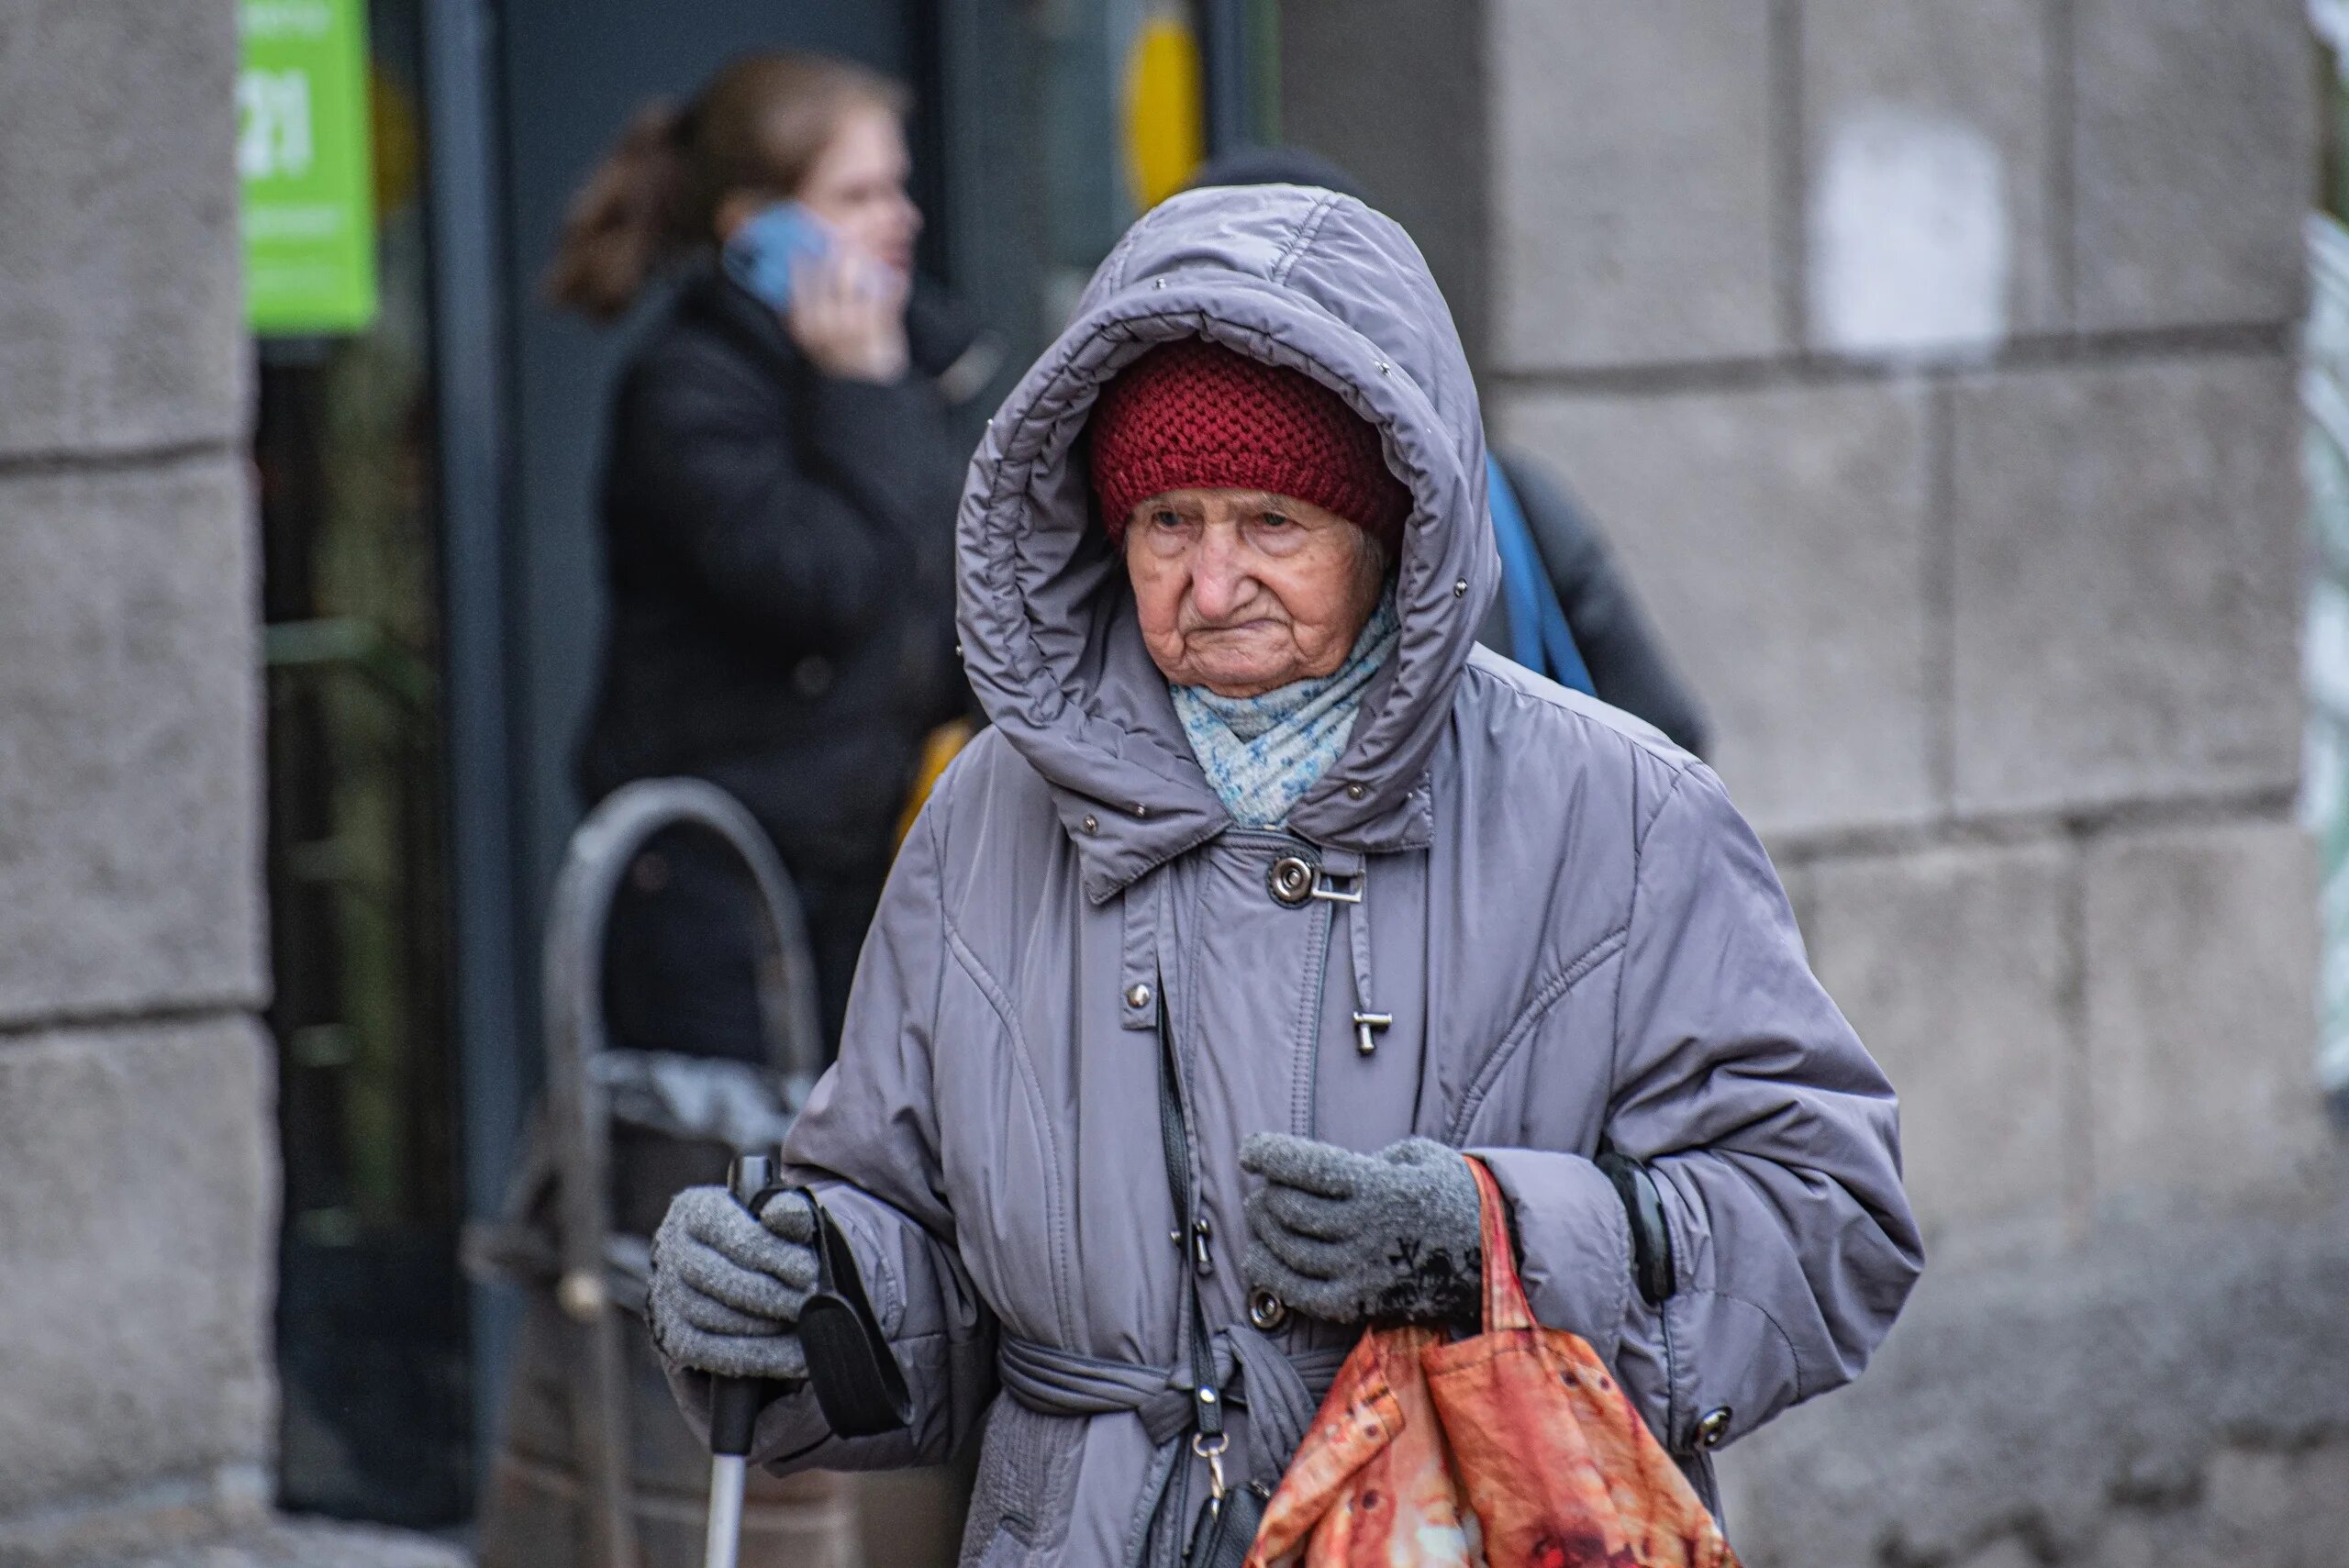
column 601, row 850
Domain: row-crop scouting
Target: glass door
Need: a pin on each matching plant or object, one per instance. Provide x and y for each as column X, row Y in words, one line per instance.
column 371, row 1327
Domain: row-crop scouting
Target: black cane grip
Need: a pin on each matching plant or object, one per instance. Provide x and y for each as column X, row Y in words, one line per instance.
column 734, row 1407
column 735, row 1402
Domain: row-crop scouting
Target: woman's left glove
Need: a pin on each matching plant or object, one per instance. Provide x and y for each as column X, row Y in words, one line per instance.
column 728, row 1289
column 1346, row 1237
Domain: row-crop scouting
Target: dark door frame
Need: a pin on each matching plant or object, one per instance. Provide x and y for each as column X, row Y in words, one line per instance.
column 471, row 359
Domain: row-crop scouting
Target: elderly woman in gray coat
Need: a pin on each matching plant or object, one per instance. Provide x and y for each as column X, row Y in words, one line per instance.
column 1267, row 895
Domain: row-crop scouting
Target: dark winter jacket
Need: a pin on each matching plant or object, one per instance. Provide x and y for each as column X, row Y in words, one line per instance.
column 1628, row 667
column 1578, row 942
column 780, row 554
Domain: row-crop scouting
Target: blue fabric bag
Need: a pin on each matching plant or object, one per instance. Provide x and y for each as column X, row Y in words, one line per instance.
column 1538, row 637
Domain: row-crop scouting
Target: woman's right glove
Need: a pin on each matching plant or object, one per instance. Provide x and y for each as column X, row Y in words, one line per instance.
column 727, row 1288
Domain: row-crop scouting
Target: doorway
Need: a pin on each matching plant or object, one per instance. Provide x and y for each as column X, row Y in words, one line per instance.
column 372, row 1334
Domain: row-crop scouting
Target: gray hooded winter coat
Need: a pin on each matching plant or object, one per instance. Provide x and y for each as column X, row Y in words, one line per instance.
column 1577, row 939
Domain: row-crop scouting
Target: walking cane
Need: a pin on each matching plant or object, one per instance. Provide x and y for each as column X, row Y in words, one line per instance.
column 734, row 1403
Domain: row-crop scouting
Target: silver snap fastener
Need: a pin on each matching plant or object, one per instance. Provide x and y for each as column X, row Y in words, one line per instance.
column 1459, row 589
column 1141, row 811
column 1158, row 283
column 1092, row 824
column 1266, row 1311
column 1713, row 1426
column 1290, row 880
column 1137, row 996
column 1382, row 367
column 1355, row 791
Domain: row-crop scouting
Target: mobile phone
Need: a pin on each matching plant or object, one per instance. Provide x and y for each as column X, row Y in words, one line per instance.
column 765, row 250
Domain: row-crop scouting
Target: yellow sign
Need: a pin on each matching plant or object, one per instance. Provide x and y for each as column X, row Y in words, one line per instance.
column 1165, row 115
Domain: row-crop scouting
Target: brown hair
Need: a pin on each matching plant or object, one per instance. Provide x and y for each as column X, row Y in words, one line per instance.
column 759, row 124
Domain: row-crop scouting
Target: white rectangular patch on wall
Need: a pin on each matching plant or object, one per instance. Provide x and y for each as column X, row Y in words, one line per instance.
column 1910, row 236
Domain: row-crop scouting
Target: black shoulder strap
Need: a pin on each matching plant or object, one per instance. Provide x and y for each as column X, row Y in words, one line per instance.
column 1191, row 1229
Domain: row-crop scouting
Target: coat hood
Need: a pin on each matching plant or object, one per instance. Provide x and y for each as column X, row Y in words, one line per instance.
column 1293, row 275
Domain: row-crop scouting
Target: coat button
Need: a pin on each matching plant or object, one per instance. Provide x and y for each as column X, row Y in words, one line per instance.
column 1290, row 880
column 1712, row 1426
column 1355, row 791
column 1137, row 996
column 1265, row 1310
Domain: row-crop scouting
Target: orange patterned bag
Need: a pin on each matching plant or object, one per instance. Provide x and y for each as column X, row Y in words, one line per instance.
column 1514, row 1449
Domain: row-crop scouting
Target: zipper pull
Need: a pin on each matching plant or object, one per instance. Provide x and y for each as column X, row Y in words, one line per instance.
column 1201, row 1235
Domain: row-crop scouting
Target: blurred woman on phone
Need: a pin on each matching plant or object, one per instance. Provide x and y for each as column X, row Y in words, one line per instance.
column 778, row 510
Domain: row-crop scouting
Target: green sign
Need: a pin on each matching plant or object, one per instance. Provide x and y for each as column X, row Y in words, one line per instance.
column 303, row 154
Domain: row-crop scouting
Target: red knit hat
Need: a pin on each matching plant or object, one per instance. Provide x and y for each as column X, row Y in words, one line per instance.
column 1193, row 414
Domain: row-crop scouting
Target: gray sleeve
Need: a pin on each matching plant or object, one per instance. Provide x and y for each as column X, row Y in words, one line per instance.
column 868, row 1144
column 1772, row 1136
column 1627, row 662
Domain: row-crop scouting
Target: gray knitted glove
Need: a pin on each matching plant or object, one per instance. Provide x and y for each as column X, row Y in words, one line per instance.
column 726, row 1289
column 1346, row 1237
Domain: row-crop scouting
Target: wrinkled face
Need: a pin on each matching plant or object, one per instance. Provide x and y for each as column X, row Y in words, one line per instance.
column 1241, row 591
column 857, row 184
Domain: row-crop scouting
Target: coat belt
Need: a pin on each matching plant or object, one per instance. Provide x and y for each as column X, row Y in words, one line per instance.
column 1279, row 1391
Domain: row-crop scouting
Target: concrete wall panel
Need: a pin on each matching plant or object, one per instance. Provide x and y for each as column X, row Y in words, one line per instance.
column 1633, row 183
column 2063, row 1406
column 1928, row 215
column 1402, row 121
column 2200, row 1020
column 2002, row 654
column 1778, row 536
column 2288, row 1505
column 2128, row 552
column 130, row 758
column 1955, row 967
column 136, row 1225
column 121, row 299
column 2196, row 133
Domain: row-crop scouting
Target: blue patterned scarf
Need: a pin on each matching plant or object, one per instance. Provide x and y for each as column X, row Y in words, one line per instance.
column 1262, row 754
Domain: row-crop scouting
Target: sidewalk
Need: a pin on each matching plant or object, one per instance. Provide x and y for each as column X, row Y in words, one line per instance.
column 194, row 1538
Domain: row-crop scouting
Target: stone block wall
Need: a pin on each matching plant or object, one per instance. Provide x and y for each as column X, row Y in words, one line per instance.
column 136, row 1147
column 1930, row 368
